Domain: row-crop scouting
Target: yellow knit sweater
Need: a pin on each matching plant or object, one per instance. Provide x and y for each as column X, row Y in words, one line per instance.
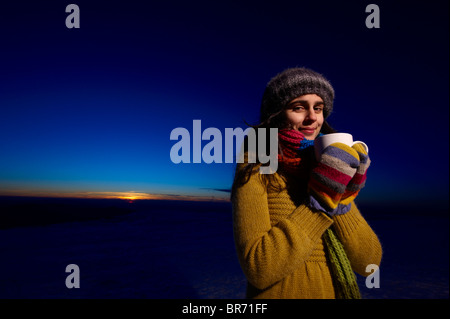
column 279, row 245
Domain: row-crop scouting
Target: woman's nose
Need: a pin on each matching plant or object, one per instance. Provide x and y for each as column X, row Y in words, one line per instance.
column 311, row 115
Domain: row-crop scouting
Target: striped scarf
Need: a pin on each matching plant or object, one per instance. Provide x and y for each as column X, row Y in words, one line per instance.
column 293, row 145
column 293, row 158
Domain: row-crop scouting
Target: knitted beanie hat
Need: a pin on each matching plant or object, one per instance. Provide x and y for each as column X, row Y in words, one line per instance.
column 292, row 83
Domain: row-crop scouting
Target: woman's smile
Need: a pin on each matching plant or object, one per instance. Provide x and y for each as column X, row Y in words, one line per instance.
column 307, row 131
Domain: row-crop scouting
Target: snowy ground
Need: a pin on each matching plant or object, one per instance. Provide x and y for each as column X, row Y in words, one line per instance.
column 186, row 250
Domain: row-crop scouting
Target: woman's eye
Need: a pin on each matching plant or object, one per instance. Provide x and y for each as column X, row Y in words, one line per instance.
column 297, row 108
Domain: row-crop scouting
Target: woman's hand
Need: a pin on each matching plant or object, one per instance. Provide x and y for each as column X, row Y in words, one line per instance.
column 330, row 178
column 359, row 179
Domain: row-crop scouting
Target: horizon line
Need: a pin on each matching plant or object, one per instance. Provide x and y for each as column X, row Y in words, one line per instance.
column 127, row 196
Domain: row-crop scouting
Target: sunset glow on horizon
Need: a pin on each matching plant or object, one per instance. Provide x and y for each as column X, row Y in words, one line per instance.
column 129, row 196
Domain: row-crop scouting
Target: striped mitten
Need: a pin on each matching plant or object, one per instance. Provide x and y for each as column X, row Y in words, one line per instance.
column 329, row 179
column 359, row 180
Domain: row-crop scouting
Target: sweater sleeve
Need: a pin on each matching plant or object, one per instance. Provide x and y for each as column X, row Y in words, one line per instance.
column 359, row 240
column 269, row 253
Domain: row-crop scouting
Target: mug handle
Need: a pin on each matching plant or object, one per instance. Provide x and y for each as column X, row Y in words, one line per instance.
column 363, row 144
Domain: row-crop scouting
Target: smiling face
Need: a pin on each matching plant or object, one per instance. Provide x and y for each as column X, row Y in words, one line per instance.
column 305, row 114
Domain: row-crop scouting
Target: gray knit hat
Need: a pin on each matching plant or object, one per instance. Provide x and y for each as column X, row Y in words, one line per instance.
column 292, row 83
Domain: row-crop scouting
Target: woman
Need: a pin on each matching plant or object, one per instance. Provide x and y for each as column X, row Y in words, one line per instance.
column 298, row 232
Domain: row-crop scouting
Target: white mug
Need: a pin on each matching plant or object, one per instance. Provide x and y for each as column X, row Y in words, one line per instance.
column 322, row 142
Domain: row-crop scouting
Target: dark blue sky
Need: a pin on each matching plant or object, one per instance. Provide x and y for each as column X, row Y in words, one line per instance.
column 91, row 109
